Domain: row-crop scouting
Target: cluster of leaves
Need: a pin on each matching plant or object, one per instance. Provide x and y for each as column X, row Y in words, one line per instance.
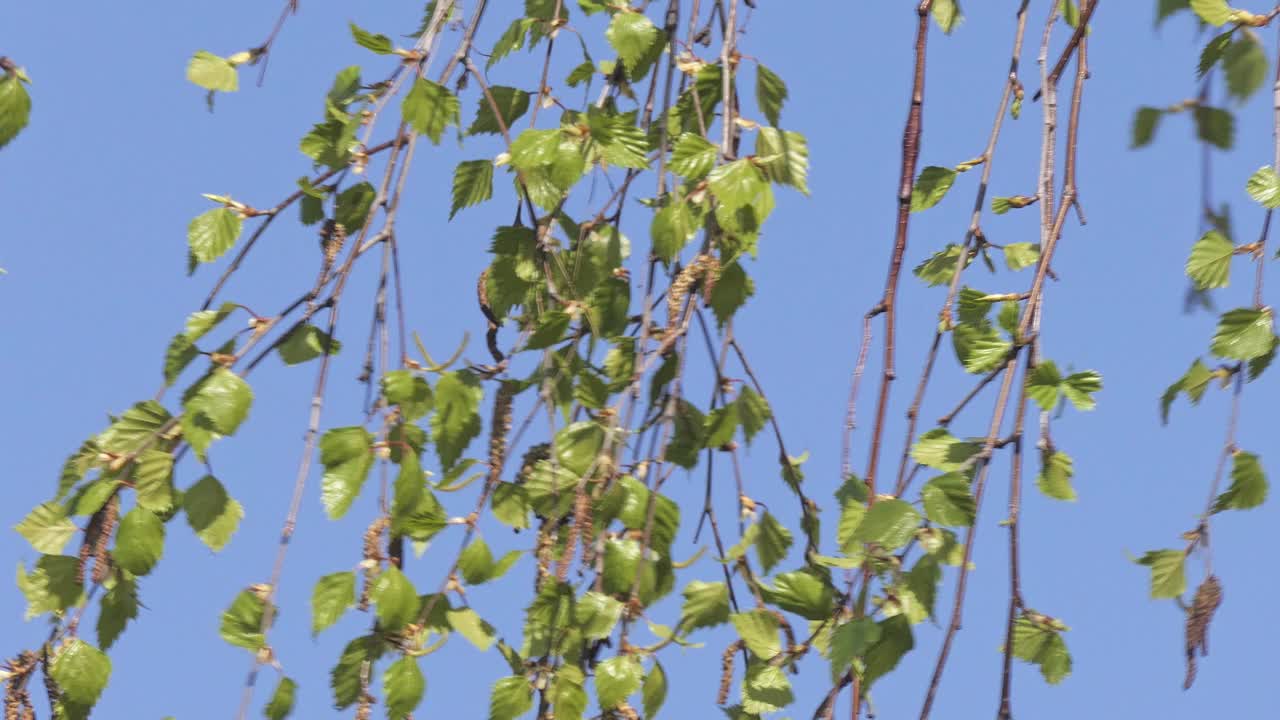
column 1244, row 341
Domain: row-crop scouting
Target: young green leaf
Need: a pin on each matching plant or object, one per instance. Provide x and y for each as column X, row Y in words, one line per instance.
column 617, row 678
column 512, row 104
column 1054, row 479
column 1020, row 255
column 242, row 622
column 1244, row 334
column 941, row 450
column 1245, row 63
column 1248, row 484
column 800, row 592
column 347, row 456
column 430, row 108
column 706, row 604
column 306, row 342
column 1214, row 12
column 1168, row 577
column 654, row 692
column 1264, row 186
column 330, row 598
column 1040, row 644
column 784, row 156
column 512, row 697
column 211, row 513
column 213, row 233
column 1194, row 383
column 1215, row 126
column 470, row 625
column 632, row 35
column 692, row 156
column 81, row 672
column 378, row 43
column 212, row 73
column 119, row 606
column 1145, row 122
column 932, row 184
column 1080, row 387
column 408, row 391
column 403, row 686
column 888, row 523
column 282, row 699
column 947, row 14
column 47, row 528
column 947, row 501
column 1210, row 262
column 771, row 93
column 765, row 689
column 15, row 106
column 394, row 599
column 772, row 543
column 139, row 541
column 759, row 630
column 456, row 421
column 472, row 184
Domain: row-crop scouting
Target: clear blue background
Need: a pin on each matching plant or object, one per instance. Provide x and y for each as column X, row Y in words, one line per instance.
column 97, row 192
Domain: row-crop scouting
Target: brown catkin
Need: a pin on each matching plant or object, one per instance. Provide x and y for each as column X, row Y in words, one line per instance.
column 726, row 671
column 499, row 428
column 17, row 701
column 333, row 235
column 534, row 455
column 705, row 268
column 1207, row 599
column 373, row 554
column 544, row 553
column 101, row 554
column 627, row 712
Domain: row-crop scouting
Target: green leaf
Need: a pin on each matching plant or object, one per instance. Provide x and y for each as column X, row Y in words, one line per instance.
column 1248, row 484
column 1045, row 385
column 1264, row 186
column 512, row 104
column 765, row 689
column 1080, row 387
column 947, row 14
column 618, row 140
column 403, row 685
column 1214, row 12
column 218, row 404
column 347, row 456
column 456, row 421
column 722, row 423
column 1243, row 334
column 213, row 233
column 733, row 288
column 1215, row 126
column 771, row 93
column 632, row 35
column 852, row 640
column 47, row 528
column 979, row 347
column 330, row 143
column 673, row 226
column 654, row 693
column 119, row 606
column 597, row 614
column 472, row 184
column 1245, row 63
column 772, row 543
column 1040, row 644
column 200, row 323
column 1210, row 262
column 940, row 450
column 706, row 604
column 352, row 206
column 282, row 700
column 139, row 541
column 178, row 356
column 896, row 640
column 378, row 43
column 306, row 342
column 81, row 672
column 784, row 156
column 51, row 585
column 470, row 625
column 408, row 391
column 212, row 73
column 1054, row 479
column 477, row 564
column 940, row 267
column 430, row 108
column 1021, row 255
column 1168, row 578
column 802, row 593
column 1145, row 122
column 330, row 598
column 394, row 599
column 211, row 513
column 1212, row 52
column 932, row 184
column 1194, row 383
column 15, row 107
column 617, row 678
column 242, row 622
column 738, row 184
column 947, row 501
column 1165, row 8
column 851, row 513
column 533, row 148
column 889, row 523
column 347, row 677
column 512, row 697
column 692, row 156
column 759, row 630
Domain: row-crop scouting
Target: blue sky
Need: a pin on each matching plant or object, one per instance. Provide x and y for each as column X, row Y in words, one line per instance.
column 98, row 191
